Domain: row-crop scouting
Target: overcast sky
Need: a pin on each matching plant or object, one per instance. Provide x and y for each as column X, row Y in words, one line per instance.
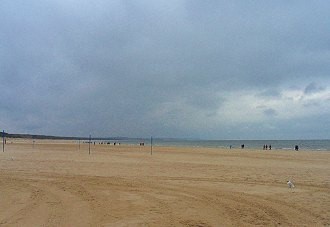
column 206, row 69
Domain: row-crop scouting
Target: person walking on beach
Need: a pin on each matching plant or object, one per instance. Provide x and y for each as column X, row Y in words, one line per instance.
column 270, row 146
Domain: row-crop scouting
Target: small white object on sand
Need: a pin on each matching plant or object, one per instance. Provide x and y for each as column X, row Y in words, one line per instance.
column 290, row 184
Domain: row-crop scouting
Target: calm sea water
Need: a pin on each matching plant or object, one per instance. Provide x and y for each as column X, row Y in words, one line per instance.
column 313, row 145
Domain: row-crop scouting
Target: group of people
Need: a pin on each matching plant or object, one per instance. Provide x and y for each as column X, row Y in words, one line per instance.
column 266, row 147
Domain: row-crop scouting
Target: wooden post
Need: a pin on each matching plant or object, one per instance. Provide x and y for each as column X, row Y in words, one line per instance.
column 89, row 146
column 3, row 141
column 151, row 145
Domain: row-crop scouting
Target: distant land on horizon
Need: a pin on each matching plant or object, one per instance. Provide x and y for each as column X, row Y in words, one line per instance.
column 32, row 136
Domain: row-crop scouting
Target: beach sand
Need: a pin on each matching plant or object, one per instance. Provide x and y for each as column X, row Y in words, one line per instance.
column 54, row 183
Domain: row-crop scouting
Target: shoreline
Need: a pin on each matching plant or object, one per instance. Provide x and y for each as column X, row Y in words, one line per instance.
column 176, row 144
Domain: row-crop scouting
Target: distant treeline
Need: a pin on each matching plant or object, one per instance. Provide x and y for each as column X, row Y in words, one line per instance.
column 29, row 136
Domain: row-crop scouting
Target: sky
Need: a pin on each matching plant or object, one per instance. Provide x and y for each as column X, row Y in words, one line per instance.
column 207, row 69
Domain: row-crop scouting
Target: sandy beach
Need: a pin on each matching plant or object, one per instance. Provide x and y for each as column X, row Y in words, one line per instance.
column 56, row 183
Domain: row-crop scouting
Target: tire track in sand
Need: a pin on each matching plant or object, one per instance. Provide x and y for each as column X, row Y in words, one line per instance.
column 237, row 207
column 154, row 201
column 45, row 204
column 28, row 204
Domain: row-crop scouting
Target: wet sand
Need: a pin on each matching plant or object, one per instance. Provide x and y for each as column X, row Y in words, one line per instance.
column 54, row 183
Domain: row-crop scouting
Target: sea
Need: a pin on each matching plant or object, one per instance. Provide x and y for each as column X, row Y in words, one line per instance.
column 308, row 145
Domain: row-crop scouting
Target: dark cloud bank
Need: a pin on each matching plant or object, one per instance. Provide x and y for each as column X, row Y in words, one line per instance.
column 206, row 69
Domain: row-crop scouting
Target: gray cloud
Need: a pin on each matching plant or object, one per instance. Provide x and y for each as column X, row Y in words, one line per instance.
column 167, row 68
column 313, row 88
column 270, row 112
